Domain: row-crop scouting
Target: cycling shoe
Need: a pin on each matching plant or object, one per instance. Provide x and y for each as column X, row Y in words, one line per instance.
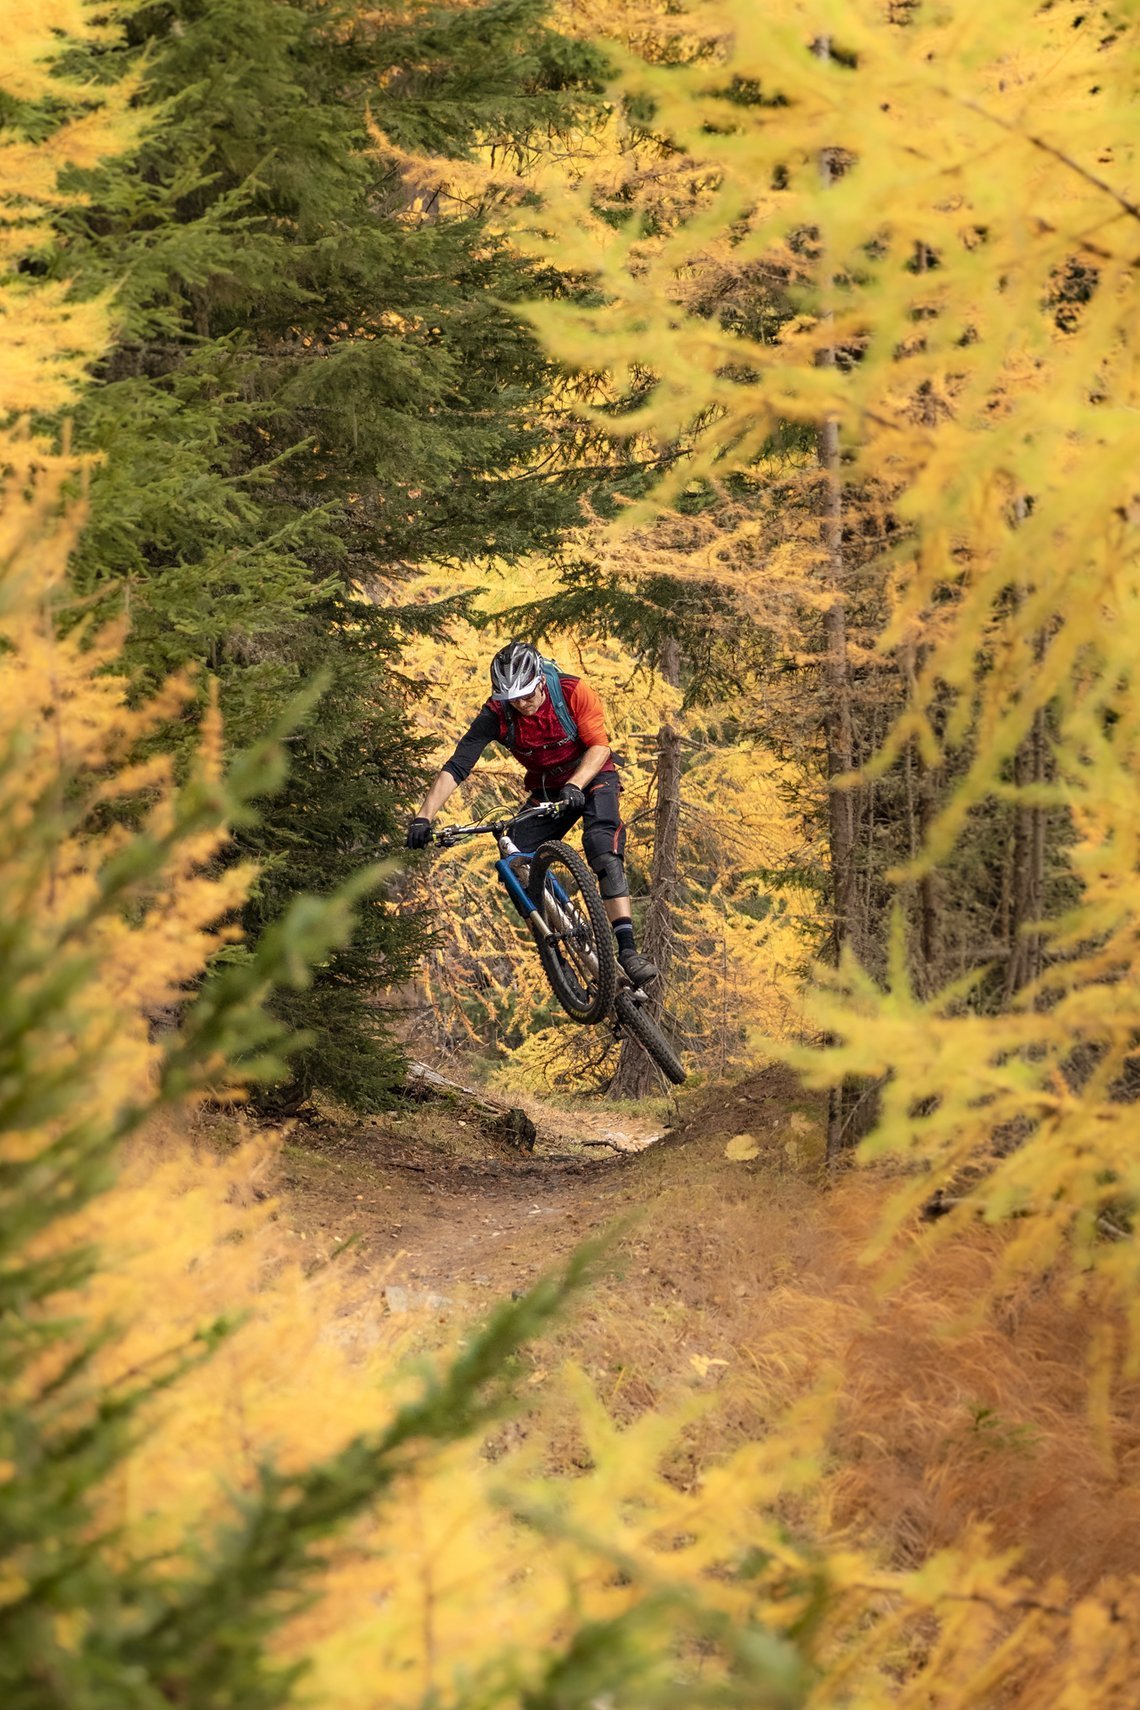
column 639, row 970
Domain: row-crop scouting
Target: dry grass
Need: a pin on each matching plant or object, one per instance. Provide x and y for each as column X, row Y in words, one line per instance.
column 951, row 1417
column 945, row 1417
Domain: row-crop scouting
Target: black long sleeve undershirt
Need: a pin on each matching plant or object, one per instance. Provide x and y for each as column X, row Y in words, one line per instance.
column 483, row 730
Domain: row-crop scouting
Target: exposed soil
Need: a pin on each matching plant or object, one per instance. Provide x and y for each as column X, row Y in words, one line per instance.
column 436, row 1205
column 758, row 1105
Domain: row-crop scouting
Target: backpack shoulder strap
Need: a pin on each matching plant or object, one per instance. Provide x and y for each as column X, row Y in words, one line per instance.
column 507, row 724
column 557, row 695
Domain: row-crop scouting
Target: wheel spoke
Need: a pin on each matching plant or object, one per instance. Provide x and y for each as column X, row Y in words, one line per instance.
column 577, row 952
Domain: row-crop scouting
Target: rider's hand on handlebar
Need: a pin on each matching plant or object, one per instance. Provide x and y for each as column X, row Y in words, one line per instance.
column 419, row 833
column 572, row 797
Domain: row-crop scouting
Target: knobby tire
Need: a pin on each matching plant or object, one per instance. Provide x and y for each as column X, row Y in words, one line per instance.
column 649, row 1036
column 583, row 995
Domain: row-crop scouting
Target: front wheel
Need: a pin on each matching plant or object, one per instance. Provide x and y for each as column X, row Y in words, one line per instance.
column 578, row 955
column 632, row 1015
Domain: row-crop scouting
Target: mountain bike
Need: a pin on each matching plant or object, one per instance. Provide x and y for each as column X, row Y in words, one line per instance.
column 555, row 893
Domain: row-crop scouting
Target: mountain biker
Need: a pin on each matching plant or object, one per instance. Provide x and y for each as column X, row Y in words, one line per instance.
column 554, row 725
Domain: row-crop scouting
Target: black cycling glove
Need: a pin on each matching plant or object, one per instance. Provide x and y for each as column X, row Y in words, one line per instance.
column 572, row 797
column 419, row 832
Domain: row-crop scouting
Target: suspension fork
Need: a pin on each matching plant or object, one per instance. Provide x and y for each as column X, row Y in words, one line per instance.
column 528, row 908
column 516, row 888
column 519, row 894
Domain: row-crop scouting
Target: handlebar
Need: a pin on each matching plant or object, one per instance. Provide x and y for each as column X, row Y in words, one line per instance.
column 495, row 827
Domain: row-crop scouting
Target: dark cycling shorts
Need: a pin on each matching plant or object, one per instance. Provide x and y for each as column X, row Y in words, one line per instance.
column 602, row 830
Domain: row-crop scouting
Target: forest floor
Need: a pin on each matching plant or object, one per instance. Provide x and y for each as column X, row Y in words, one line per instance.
column 439, row 1208
column 735, row 1283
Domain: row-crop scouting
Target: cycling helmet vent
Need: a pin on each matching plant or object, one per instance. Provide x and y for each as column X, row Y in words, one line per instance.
column 516, row 670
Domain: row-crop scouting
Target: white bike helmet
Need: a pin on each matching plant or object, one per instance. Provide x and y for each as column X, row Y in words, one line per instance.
column 516, row 670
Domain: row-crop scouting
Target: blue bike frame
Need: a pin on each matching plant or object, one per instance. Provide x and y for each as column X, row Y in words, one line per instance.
column 537, row 919
column 509, row 854
column 517, row 891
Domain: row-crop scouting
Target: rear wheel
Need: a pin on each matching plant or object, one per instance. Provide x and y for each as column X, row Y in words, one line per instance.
column 634, row 1017
column 578, row 956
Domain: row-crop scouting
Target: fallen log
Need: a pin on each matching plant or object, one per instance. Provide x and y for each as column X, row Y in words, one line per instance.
column 511, row 1125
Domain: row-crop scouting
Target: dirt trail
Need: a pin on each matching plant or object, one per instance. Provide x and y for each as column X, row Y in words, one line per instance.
column 436, row 1206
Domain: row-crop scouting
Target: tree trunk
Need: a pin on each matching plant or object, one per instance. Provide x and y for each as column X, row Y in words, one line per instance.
column 1027, row 880
column 837, row 707
column 509, row 1124
column 919, row 788
column 1027, row 876
column 636, row 1076
column 927, row 900
column 848, row 1100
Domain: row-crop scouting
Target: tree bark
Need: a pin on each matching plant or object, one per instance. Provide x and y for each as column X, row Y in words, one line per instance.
column 927, row 899
column 1027, row 880
column 1027, row 876
column 636, row 1076
column 837, row 707
column 509, row 1124
column 847, row 1100
column 919, row 787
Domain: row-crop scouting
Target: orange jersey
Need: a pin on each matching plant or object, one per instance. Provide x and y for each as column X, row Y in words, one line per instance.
column 539, row 741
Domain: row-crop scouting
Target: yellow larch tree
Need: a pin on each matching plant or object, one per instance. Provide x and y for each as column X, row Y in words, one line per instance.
column 948, row 200
column 184, row 1576
column 740, row 947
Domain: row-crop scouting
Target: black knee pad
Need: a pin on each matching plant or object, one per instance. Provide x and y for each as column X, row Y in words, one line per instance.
column 610, row 872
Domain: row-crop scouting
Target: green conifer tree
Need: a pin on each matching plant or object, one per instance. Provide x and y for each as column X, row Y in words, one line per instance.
column 312, row 388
